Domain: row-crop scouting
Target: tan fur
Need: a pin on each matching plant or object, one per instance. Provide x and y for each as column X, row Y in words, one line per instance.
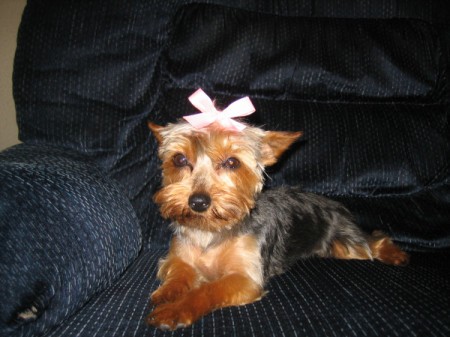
column 380, row 247
column 275, row 144
column 198, row 278
column 385, row 250
column 230, row 290
column 341, row 250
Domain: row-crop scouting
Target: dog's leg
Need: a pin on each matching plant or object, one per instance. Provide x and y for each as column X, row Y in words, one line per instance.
column 178, row 278
column 379, row 246
column 386, row 251
column 230, row 290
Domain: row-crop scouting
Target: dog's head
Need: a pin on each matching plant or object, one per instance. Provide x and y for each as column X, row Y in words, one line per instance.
column 212, row 175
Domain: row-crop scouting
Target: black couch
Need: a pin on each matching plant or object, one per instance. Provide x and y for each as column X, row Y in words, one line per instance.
column 367, row 81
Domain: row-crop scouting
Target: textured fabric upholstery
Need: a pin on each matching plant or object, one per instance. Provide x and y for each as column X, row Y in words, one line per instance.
column 90, row 75
column 366, row 81
column 316, row 297
column 66, row 233
column 328, row 59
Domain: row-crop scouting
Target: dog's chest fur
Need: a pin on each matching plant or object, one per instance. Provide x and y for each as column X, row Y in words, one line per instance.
column 213, row 256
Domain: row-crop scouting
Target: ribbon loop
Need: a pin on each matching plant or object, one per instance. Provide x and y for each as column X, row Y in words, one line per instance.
column 209, row 114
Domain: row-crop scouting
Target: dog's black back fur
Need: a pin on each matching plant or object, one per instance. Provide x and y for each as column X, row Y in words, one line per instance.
column 291, row 224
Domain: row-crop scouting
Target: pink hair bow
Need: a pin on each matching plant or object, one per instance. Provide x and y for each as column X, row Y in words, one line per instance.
column 209, row 114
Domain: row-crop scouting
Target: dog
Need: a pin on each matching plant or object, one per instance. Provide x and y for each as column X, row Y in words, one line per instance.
column 230, row 236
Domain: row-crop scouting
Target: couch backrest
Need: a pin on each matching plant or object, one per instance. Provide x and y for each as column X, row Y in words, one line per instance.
column 301, row 58
column 86, row 73
column 89, row 74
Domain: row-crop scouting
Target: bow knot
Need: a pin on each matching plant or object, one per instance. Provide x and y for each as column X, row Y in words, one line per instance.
column 209, row 114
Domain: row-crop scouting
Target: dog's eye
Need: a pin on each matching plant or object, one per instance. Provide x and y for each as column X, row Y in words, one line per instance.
column 179, row 160
column 231, row 163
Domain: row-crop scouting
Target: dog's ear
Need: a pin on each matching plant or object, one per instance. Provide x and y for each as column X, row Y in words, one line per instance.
column 274, row 143
column 156, row 130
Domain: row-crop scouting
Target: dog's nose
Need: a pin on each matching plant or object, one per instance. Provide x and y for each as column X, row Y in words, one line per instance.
column 199, row 202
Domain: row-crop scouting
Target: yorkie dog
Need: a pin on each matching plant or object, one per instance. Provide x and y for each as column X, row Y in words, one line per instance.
column 230, row 237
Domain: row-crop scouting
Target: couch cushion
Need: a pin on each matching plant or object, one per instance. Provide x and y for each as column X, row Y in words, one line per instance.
column 322, row 59
column 66, row 233
column 317, row 297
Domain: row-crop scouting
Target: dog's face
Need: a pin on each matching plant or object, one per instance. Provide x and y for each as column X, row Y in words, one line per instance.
column 211, row 176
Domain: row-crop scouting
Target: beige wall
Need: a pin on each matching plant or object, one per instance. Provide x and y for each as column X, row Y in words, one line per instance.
column 10, row 14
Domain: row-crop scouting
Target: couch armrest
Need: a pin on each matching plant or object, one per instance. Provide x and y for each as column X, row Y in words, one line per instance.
column 66, row 232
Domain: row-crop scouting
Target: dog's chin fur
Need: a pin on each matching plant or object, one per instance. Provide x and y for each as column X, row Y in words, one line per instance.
column 198, row 221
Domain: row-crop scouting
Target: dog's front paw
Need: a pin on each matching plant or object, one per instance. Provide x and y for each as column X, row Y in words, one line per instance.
column 169, row 292
column 171, row 316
